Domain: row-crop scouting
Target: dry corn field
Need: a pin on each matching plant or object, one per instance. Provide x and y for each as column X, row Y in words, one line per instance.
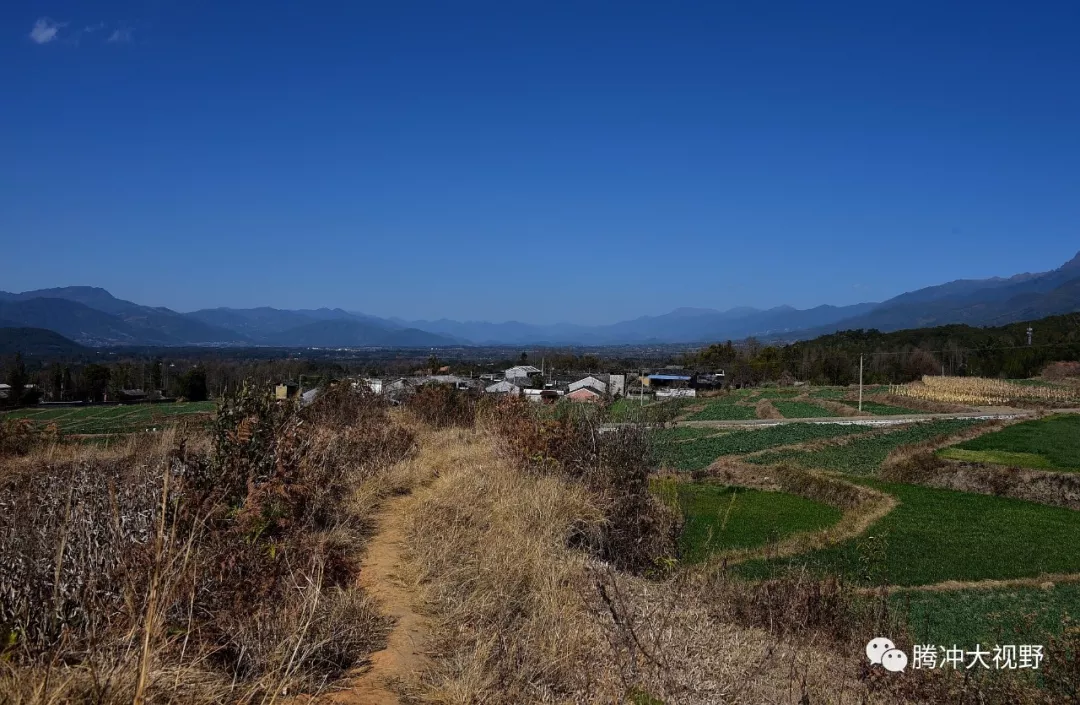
column 981, row 391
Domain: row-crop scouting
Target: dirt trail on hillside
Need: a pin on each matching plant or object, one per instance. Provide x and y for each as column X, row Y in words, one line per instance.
column 381, row 578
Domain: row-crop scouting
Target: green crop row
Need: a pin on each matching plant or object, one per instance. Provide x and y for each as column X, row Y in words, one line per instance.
column 802, row 410
column 698, row 454
column 863, row 456
column 933, row 535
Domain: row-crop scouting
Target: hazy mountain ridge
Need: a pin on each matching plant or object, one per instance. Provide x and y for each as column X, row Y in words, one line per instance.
column 995, row 302
column 36, row 341
column 92, row 316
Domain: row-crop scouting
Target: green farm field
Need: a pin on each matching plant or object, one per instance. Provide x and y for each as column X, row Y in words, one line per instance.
column 698, row 454
column 934, row 535
column 720, row 517
column 863, row 456
column 931, row 536
column 802, row 410
column 1052, row 443
column 878, row 409
column 725, row 409
column 126, row 418
column 1015, row 615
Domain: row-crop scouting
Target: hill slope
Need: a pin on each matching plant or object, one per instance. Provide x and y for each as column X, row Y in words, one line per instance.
column 976, row 303
column 144, row 325
column 36, row 342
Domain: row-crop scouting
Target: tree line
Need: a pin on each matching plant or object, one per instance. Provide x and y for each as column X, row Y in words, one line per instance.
column 900, row 356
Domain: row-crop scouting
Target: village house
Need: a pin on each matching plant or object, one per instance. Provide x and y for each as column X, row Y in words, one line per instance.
column 586, row 393
column 597, row 382
column 504, row 387
column 521, row 372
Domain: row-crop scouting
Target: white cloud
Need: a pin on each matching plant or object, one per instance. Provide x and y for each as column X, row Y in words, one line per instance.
column 45, row 31
column 120, row 35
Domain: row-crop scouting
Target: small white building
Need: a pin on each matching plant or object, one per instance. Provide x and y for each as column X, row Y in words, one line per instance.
column 504, row 387
column 521, row 371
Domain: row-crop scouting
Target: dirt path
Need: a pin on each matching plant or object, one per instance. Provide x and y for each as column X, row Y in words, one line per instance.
column 380, row 576
column 1046, row 582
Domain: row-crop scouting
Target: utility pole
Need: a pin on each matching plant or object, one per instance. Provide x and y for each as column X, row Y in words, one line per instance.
column 860, row 383
column 1029, row 336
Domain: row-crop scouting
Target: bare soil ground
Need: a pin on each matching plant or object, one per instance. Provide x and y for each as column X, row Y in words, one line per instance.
column 381, row 577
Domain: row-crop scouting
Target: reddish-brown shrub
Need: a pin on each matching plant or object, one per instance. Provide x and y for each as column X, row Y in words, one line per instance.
column 1062, row 370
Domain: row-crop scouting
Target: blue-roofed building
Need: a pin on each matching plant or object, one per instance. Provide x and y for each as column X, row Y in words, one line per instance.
column 670, row 378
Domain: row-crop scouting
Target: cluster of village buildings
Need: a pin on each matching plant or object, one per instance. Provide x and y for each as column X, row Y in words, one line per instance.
column 533, row 384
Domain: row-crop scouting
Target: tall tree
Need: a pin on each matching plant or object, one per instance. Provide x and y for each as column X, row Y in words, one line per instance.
column 155, row 374
column 16, row 379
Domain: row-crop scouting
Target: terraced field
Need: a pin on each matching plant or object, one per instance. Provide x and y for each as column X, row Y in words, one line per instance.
column 724, row 409
column 935, row 535
column 1017, row 615
column 802, row 410
column 863, row 456
column 720, row 517
column 698, row 454
column 946, row 539
column 878, row 409
column 833, row 393
column 1052, row 443
column 127, row 418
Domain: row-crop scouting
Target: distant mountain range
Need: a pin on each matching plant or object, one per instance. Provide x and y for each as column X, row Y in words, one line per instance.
column 93, row 317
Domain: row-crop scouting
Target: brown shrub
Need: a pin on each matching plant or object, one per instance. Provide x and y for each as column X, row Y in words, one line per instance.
column 796, row 605
column 442, row 406
column 764, row 409
column 21, row 436
column 246, row 553
column 613, row 465
column 1058, row 371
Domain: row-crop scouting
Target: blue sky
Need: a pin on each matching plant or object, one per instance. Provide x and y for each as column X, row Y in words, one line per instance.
column 539, row 161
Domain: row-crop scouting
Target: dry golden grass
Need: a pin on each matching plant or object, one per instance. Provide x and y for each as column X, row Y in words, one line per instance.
column 518, row 614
